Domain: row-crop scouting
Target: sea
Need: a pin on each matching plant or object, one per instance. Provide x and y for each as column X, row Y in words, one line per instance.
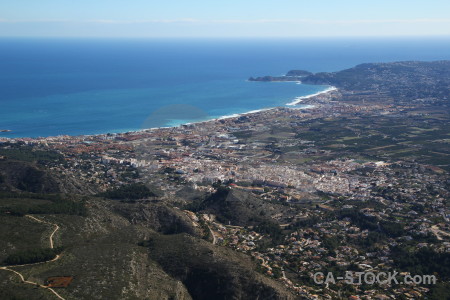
column 75, row 86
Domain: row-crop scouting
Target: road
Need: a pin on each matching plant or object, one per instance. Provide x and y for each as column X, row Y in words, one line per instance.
column 54, row 231
column 22, row 278
column 214, row 242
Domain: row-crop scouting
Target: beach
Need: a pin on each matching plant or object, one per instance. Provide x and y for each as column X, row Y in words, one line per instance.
column 300, row 99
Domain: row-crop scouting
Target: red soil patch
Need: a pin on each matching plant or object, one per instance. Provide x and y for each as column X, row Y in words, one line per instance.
column 57, row 282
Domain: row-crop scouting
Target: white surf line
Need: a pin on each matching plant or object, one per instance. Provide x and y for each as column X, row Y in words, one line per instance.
column 298, row 100
column 7, row 268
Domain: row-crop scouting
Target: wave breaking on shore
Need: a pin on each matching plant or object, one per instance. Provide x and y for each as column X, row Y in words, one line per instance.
column 298, row 100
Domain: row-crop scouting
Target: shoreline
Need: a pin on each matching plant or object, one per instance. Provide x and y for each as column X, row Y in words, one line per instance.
column 296, row 101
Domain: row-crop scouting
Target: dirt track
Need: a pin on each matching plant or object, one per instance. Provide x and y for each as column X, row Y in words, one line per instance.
column 7, row 268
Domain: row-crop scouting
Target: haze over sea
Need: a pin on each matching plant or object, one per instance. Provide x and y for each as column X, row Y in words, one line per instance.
column 85, row 86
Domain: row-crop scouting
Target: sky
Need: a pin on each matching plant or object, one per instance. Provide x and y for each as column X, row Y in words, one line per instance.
column 231, row 18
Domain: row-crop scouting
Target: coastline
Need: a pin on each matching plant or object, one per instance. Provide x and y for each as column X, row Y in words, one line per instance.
column 296, row 101
column 236, row 115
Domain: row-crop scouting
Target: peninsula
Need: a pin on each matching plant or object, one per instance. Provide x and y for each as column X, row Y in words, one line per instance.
column 293, row 75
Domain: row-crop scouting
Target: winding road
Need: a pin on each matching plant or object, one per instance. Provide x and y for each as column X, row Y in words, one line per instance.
column 54, row 231
column 7, row 268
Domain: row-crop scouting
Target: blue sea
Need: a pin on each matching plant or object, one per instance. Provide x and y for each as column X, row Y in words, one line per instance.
column 52, row 87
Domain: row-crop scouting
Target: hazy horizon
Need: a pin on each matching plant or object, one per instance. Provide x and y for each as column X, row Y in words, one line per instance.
column 199, row 18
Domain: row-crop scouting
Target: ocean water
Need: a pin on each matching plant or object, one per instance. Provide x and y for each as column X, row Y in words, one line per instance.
column 85, row 86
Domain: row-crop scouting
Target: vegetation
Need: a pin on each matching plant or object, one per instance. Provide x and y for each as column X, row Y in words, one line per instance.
column 209, row 272
column 67, row 207
column 331, row 243
column 440, row 291
column 219, row 196
column 20, row 204
column 390, row 229
column 27, row 153
column 271, row 229
column 32, row 256
column 402, row 80
column 132, row 191
column 425, row 261
column 408, row 137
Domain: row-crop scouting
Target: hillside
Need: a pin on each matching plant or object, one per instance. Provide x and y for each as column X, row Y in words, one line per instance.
column 102, row 254
column 400, row 80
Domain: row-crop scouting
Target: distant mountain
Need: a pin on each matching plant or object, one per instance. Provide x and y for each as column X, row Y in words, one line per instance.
column 293, row 75
column 403, row 80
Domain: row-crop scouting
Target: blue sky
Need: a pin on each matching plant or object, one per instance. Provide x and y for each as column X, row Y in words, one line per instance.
column 231, row 18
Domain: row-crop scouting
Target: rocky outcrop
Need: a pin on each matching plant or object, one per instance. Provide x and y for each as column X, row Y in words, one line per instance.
column 24, row 176
column 238, row 207
column 159, row 217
